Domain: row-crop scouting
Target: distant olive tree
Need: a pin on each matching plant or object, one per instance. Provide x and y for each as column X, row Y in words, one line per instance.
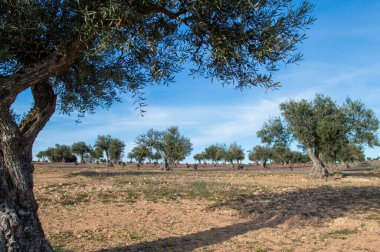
column 80, row 149
column 103, row 143
column 234, row 153
column 260, row 154
column 116, row 150
column 59, row 153
column 140, row 153
column 199, row 157
column 113, row 148
column 171, row 145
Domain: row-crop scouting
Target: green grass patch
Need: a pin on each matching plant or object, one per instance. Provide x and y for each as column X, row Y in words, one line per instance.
column 134, row 236
column 342, row 234
column 60, row 240
column 106, row 197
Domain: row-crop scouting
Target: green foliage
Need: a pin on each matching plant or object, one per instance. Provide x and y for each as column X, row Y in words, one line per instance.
column 215, row 153
column 260, row 154
column 234, row 152
column 362, row 123
column 275, row 134
column 59, row 153
column 156, row 156
column 172, row 146
column 176, row 147
column 351, row 153
column 328, row 130
column 140, row 153
column 96, row 153
column 103, row 144
column 199, row 157
column 116, row 149
column 112, row 147
column 98, row 49
column 80, row 149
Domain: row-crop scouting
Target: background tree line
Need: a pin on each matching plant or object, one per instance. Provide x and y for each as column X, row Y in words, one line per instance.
column 106, row 149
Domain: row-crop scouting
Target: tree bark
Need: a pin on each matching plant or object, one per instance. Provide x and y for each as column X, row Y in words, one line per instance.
column 165, row 161
column 264, row 164
column 20, row 228
column 319, row 170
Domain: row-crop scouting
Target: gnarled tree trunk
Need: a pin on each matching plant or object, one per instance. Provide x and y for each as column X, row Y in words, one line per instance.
column 166, row 162
column 319, row 170
column 20, row 228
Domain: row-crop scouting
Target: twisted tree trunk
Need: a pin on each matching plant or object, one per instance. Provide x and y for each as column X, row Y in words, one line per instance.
column 20, row 228
column 319, row 169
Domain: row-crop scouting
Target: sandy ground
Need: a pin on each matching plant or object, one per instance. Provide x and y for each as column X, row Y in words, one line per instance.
column 120, row 209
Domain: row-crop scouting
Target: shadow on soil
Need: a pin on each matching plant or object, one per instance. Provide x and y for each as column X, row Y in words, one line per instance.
column 312, row 206
column 112, row 173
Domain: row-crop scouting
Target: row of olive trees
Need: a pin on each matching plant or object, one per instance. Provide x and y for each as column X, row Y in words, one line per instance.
column 220, row 152
column 106, row 148
column 168, row 145
column 328, row 132
column 282, row 155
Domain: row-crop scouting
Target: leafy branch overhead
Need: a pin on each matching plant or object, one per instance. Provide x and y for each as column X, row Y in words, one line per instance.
column 77, row 55
column 93, row 50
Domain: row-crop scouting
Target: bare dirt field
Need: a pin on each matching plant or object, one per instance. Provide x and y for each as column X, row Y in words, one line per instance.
column 92, row 208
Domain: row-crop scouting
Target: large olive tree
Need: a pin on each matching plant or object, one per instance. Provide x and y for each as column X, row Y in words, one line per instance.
column 79, row 55
column 325, row 129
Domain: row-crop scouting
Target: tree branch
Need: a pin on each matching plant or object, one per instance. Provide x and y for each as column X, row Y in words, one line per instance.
column 38, row 116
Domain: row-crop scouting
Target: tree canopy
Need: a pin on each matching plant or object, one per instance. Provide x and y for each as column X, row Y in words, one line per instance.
column 260, row 154
column 234, row 152
column 112, row 147
column 58, row 153
column 92, row 50
column 172, row 146
column 80, row 149
column 140, row 153
column 325, row 129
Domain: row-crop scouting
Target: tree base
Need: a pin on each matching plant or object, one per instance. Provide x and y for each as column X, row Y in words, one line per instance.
column 319, row 172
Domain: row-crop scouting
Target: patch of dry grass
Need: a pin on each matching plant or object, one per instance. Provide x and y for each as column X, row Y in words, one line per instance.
column 117, row 209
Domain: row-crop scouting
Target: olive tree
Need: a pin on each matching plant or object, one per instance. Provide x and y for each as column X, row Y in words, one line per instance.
column 199, row 157
column 260, row 154
column 59, row 153
column 215, row 153
column 96, row 153
column 234, row 152
column 80, row 149
column 140, row 153
column 103, row 144
column 116, row 149
column 325, row 129
column 79, row 55
column 171, row 145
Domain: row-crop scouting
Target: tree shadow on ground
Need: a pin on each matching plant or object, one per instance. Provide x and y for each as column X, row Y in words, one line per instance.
column 312, row 206
column 361, row 174
column 112, row 173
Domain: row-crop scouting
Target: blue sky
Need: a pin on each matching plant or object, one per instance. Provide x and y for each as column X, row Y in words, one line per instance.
column 341, row 58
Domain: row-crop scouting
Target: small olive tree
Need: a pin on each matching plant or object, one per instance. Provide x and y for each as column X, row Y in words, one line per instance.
column 80, row 149
column 234, row 152
column 260, row 154
column 171, row 145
